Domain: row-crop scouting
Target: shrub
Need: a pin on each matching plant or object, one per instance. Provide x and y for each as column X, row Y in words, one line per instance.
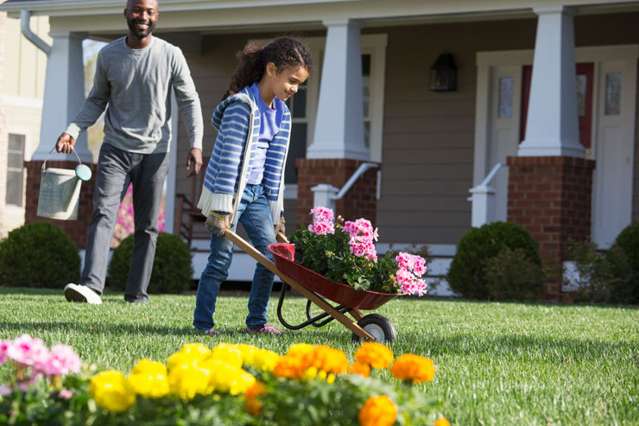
column 467, row 271
column 628, row 241
column 172, row 270
column 38, row 255
column 512, row 276
column 605, row 277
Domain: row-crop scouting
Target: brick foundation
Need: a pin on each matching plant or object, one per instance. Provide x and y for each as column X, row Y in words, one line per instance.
column 551, row 198
column 360, row 201
column 76, row 229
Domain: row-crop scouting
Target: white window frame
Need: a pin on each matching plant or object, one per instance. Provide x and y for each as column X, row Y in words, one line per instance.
column 25, row 149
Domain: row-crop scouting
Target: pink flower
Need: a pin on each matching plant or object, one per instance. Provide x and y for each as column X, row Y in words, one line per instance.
column 322, row 214
column 416, row 287
column 321, row 228
column 65, row 394
column 5, row 390
column 27, row 351
column 61, row 361
column 4, row 348
column 412, row 263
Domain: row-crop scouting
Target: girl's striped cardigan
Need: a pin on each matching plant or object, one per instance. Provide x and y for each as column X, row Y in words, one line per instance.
column 237, row 120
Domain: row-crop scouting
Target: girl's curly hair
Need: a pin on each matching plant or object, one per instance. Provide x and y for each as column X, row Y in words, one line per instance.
column 282, row 51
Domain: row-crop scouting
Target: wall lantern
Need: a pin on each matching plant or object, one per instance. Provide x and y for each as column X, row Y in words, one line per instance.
column 443, row 74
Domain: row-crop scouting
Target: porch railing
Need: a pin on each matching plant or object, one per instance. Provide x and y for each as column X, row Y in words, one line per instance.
column 325, row 195
column 484, row 208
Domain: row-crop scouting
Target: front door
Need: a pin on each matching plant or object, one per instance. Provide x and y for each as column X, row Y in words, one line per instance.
column 614, row 151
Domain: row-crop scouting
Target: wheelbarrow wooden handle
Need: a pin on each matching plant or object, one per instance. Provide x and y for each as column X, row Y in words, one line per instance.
column 266, row 262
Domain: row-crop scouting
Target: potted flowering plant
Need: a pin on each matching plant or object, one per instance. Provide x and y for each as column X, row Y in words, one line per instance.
column 345, row 252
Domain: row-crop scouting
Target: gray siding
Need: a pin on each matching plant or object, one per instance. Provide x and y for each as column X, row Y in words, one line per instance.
column 429, row 137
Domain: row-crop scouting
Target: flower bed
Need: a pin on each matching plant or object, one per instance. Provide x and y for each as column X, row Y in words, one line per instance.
column 229, row 384
column 344, row 251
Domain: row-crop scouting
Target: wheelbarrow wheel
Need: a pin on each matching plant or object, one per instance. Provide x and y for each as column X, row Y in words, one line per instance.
column 378, row 326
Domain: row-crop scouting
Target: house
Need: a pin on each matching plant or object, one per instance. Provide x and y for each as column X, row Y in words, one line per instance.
column 22, row 68
column 531, row 104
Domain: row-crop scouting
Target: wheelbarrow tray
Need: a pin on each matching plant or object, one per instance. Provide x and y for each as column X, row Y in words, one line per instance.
column 345, row 295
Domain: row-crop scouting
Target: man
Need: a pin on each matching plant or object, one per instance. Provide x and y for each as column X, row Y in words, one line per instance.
column 134, row 77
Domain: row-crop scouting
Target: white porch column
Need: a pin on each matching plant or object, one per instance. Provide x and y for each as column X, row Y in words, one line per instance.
column 552, row 128
column 63, row 96
column 339, row 127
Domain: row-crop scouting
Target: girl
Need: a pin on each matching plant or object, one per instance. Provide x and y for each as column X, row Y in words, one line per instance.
column 244, row 177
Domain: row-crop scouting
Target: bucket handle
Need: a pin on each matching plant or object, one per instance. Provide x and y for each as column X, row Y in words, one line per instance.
column 44, row 165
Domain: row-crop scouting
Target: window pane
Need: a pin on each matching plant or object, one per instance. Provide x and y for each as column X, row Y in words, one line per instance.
column 15, row 160
column 582, row 80
column 613, row 93
column 297, row 149
column 16, row 142
column 505, row 108
column 366, row 64
column 367, row 133
column 14, row 188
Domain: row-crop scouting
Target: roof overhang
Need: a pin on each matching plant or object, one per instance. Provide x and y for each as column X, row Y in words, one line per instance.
column 180, row 15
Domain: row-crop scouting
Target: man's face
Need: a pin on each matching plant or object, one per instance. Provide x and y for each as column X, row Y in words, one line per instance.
column 141, row 17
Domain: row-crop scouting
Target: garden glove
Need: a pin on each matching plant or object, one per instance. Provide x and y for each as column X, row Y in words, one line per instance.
column 218, row 222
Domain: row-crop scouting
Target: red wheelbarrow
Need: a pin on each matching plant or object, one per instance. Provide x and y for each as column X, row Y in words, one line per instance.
column 317, row 289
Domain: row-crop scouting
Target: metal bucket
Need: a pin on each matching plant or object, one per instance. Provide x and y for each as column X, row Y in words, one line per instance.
column 60, row 191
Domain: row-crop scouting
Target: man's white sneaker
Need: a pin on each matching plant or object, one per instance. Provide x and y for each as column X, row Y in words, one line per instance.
column 82, row 294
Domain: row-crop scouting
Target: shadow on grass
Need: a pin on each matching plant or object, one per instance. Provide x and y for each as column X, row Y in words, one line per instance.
column 123, row 329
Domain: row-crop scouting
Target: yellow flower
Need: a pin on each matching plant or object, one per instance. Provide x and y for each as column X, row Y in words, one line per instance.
column 376, row 355
column 378, row 411
column 188, row 380
column 264, row 360
column 227, row 353
column 441, row 421
column 300, row 349
column 414, row 368
column 149, row 379
column 227, row 378
column 360, row 369
column 251, row 398
column 248, row 353
column 111, row 391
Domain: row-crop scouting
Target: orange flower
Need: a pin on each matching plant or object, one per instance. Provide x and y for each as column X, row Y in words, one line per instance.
column 309, row 362
column 414, row 368
column 329, row 360
column 361, row 369
column 251, row 398
column 378, row 411
column 374, row 354
column 441, row 421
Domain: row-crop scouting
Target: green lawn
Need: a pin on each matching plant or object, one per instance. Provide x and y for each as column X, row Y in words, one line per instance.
column 499, row 364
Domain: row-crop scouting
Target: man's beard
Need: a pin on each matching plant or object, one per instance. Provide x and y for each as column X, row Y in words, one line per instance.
column 138, row 32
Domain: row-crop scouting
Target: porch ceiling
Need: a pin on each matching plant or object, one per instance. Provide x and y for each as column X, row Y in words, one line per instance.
column 225, row 15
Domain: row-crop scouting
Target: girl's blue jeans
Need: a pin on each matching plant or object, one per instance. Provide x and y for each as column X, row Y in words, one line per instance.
column 254, row 214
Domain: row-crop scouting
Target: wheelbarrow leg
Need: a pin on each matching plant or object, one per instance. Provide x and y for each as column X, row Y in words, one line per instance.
column 264, row 261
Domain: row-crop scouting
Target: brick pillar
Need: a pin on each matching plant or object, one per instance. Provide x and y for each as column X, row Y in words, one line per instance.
column 360, row 201
column 76, row 229
column 551, row 198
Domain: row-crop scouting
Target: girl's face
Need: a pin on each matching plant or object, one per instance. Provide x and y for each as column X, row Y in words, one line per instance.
column 285, row 82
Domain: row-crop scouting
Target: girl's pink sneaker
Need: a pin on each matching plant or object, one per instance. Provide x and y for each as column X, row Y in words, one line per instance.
column 265, row 329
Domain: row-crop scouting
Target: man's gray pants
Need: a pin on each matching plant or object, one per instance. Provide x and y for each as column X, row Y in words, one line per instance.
column 116, row 169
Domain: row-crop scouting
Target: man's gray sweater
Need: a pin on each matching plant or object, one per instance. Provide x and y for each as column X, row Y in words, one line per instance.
column 135, row 87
